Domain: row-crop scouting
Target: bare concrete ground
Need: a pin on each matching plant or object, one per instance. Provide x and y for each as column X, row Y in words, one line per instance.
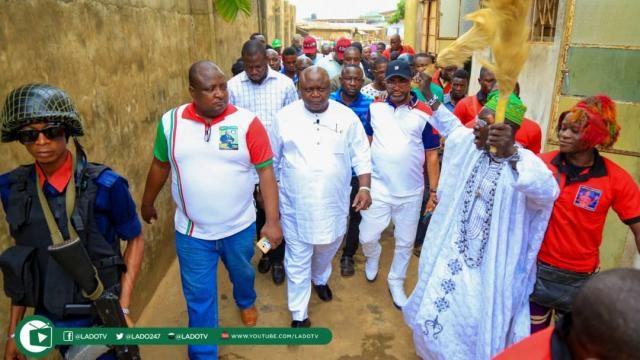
column 362, row 318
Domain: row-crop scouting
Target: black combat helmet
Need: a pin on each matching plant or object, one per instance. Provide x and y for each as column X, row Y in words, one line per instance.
column 36, row 103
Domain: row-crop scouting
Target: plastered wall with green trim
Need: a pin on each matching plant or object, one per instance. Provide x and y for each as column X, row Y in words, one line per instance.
column 124, row 63
column 604, row 57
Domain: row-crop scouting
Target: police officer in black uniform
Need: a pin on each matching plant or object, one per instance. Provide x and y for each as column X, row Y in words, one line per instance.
column 35, row 198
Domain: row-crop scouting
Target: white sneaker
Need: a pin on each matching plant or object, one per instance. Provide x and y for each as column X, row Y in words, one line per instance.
column 398, row 296
column 371, row 268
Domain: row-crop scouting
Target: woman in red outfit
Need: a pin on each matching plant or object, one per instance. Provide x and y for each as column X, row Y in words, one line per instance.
column 589, row 186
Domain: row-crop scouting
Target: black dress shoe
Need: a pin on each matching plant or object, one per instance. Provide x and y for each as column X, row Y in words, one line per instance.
column 324, row 292
column 264, row 265
column 301, row 324
column 346, row 266
column 277, row 273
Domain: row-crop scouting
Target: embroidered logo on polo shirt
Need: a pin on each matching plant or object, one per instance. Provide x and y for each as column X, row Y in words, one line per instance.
column 228, row 137
column 587, row 198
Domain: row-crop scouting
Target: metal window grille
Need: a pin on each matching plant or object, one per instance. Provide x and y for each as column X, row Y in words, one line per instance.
column 543, row 20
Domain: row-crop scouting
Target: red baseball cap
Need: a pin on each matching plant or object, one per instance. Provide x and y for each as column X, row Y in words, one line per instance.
column 341, row 45
column 309, row 45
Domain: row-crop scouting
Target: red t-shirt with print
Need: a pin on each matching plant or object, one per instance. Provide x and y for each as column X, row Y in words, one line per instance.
column 573, row 237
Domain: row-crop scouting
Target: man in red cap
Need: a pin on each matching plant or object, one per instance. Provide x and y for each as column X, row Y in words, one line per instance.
column 310, row 48
column 333, row 62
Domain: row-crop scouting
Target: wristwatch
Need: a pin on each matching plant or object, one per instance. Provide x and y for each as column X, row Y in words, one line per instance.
column 432, row 101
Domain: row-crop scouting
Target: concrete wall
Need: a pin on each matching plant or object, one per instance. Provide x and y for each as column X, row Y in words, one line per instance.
column 124, row 62
column 598, row 47
column 279, row 21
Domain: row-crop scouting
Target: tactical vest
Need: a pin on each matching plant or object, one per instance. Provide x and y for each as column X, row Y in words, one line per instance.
column 29, row 228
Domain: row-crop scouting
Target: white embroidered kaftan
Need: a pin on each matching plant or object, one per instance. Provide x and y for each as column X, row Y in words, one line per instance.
column 477, row 267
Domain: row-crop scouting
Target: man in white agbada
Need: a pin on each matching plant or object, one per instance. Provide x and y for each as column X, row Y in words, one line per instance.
column 316, row 143
column 477, row 269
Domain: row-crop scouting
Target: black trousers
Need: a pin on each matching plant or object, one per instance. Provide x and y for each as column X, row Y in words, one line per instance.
column 423, row 224
column 352, row 239
column 276, row 256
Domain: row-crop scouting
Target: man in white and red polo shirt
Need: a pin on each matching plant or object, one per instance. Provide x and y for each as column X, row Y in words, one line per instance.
column 211, row 149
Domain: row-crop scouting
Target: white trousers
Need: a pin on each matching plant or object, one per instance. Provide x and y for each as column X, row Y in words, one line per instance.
column 405, row 217
column 305, row 263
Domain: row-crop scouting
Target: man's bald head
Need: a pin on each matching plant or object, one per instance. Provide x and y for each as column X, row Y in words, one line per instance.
column 606, row 316
column 208, row 89
column 274, row 59
column 303, row 62
column 352, row 69
column 395, row 42
column 201, row 68
column 315, row 72
column 314, row 87
column 325, row 48
column 352, row 56
column 351, row 80
column 297, row 41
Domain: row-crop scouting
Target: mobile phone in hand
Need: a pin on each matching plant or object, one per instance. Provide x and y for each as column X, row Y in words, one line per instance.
column 264, row 245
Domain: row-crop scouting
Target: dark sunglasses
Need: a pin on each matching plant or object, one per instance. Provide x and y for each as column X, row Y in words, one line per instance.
column 30, row 136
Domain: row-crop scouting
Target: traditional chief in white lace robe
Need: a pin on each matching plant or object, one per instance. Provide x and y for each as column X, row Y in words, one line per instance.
column 477, row 267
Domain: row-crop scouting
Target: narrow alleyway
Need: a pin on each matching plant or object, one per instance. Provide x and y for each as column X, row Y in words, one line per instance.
column 362, row 318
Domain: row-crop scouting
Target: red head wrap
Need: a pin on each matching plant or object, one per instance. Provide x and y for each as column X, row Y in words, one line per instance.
column 597, row 114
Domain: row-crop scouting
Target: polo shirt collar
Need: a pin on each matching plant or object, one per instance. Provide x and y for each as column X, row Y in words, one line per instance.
column 598, row 169
column 190, row 114
column 339, row 98
column 411, row 104
column 60, row 177
column 284, row 72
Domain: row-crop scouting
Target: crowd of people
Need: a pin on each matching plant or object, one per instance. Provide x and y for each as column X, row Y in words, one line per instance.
column 319, row 145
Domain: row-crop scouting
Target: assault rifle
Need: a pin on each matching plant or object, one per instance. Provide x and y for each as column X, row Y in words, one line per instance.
column 72, row 256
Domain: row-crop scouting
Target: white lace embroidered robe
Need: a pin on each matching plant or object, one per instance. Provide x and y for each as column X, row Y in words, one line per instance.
column 459, row 312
